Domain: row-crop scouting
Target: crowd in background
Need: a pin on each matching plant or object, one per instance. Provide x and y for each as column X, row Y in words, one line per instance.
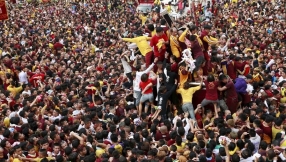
column 100, row 81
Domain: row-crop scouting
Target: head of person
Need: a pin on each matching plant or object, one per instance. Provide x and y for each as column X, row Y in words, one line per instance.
column 174, row 31
column 159, row 31
column 193, row 28
column 43, row 153
column 186, row 85
column 162, row 89
column 210, row 78
column 223, row 78
column 192, row 38
column 207, row 28
column 150, row 27
column 144, row 77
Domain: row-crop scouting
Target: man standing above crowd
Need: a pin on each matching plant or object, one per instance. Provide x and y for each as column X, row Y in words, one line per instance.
column 208, row 41
column 159, row 42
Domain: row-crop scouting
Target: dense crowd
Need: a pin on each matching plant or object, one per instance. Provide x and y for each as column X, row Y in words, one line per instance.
column 101, row 81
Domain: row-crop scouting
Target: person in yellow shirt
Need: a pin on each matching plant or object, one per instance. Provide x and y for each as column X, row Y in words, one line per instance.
column 283, row 93
column 14, row 90
column 180, row 144
column 151, row 29
column 157, row 6
column 174, row 43
column 143, row 17
column 183, row 74
column 144, row 47
column 168, row 7
column 182, row 39
column 187, row 93
column 276, row 128
column 194, row 31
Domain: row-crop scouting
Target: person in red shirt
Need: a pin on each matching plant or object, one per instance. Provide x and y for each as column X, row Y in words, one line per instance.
column 211, row 92
column 100, row 66
column 37, row 77
column 231, row 98
column 159, row 41
column 146, row 85
column 90, row 89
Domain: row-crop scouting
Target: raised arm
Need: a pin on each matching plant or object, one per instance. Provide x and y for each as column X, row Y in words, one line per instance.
column 151, row 66
column 183, row 35
column 210, row 40
column 78, row 137
column 169, row 93
column 147, row 87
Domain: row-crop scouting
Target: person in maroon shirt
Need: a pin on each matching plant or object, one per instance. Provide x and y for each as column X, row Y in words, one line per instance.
column 58, row 45
column 120, row 108
column 211, row 91
column 257, row 124
column 173, row 137
column 231, row 95
column 6, row 145
column 38, row 76
column 174, row 65
column 231, row 70
column 7, row 61
column 162, row 134
column 239, row 64
column 197, row 52
column 199, row 116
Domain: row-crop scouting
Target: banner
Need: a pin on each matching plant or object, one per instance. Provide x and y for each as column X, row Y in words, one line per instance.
column 3, row 10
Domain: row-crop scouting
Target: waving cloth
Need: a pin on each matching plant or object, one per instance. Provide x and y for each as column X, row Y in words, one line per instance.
column 161, row 44
column 187, row 57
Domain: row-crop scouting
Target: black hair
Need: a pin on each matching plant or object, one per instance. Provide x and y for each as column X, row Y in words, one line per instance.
column 159, row 29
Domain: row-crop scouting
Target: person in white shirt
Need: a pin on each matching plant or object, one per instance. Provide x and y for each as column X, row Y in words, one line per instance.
column 56, row 115
column 283, row 76
column 23, row 77
column 249, row 88
column 125, row 63
column 87, row 125
column 246, row 156
column 255, row 139
column 139, row 72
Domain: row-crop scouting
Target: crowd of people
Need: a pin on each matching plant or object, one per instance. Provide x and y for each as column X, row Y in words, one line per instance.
column 100, row 81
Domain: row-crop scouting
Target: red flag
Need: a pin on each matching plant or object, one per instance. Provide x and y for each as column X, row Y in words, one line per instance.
column 3, row 10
